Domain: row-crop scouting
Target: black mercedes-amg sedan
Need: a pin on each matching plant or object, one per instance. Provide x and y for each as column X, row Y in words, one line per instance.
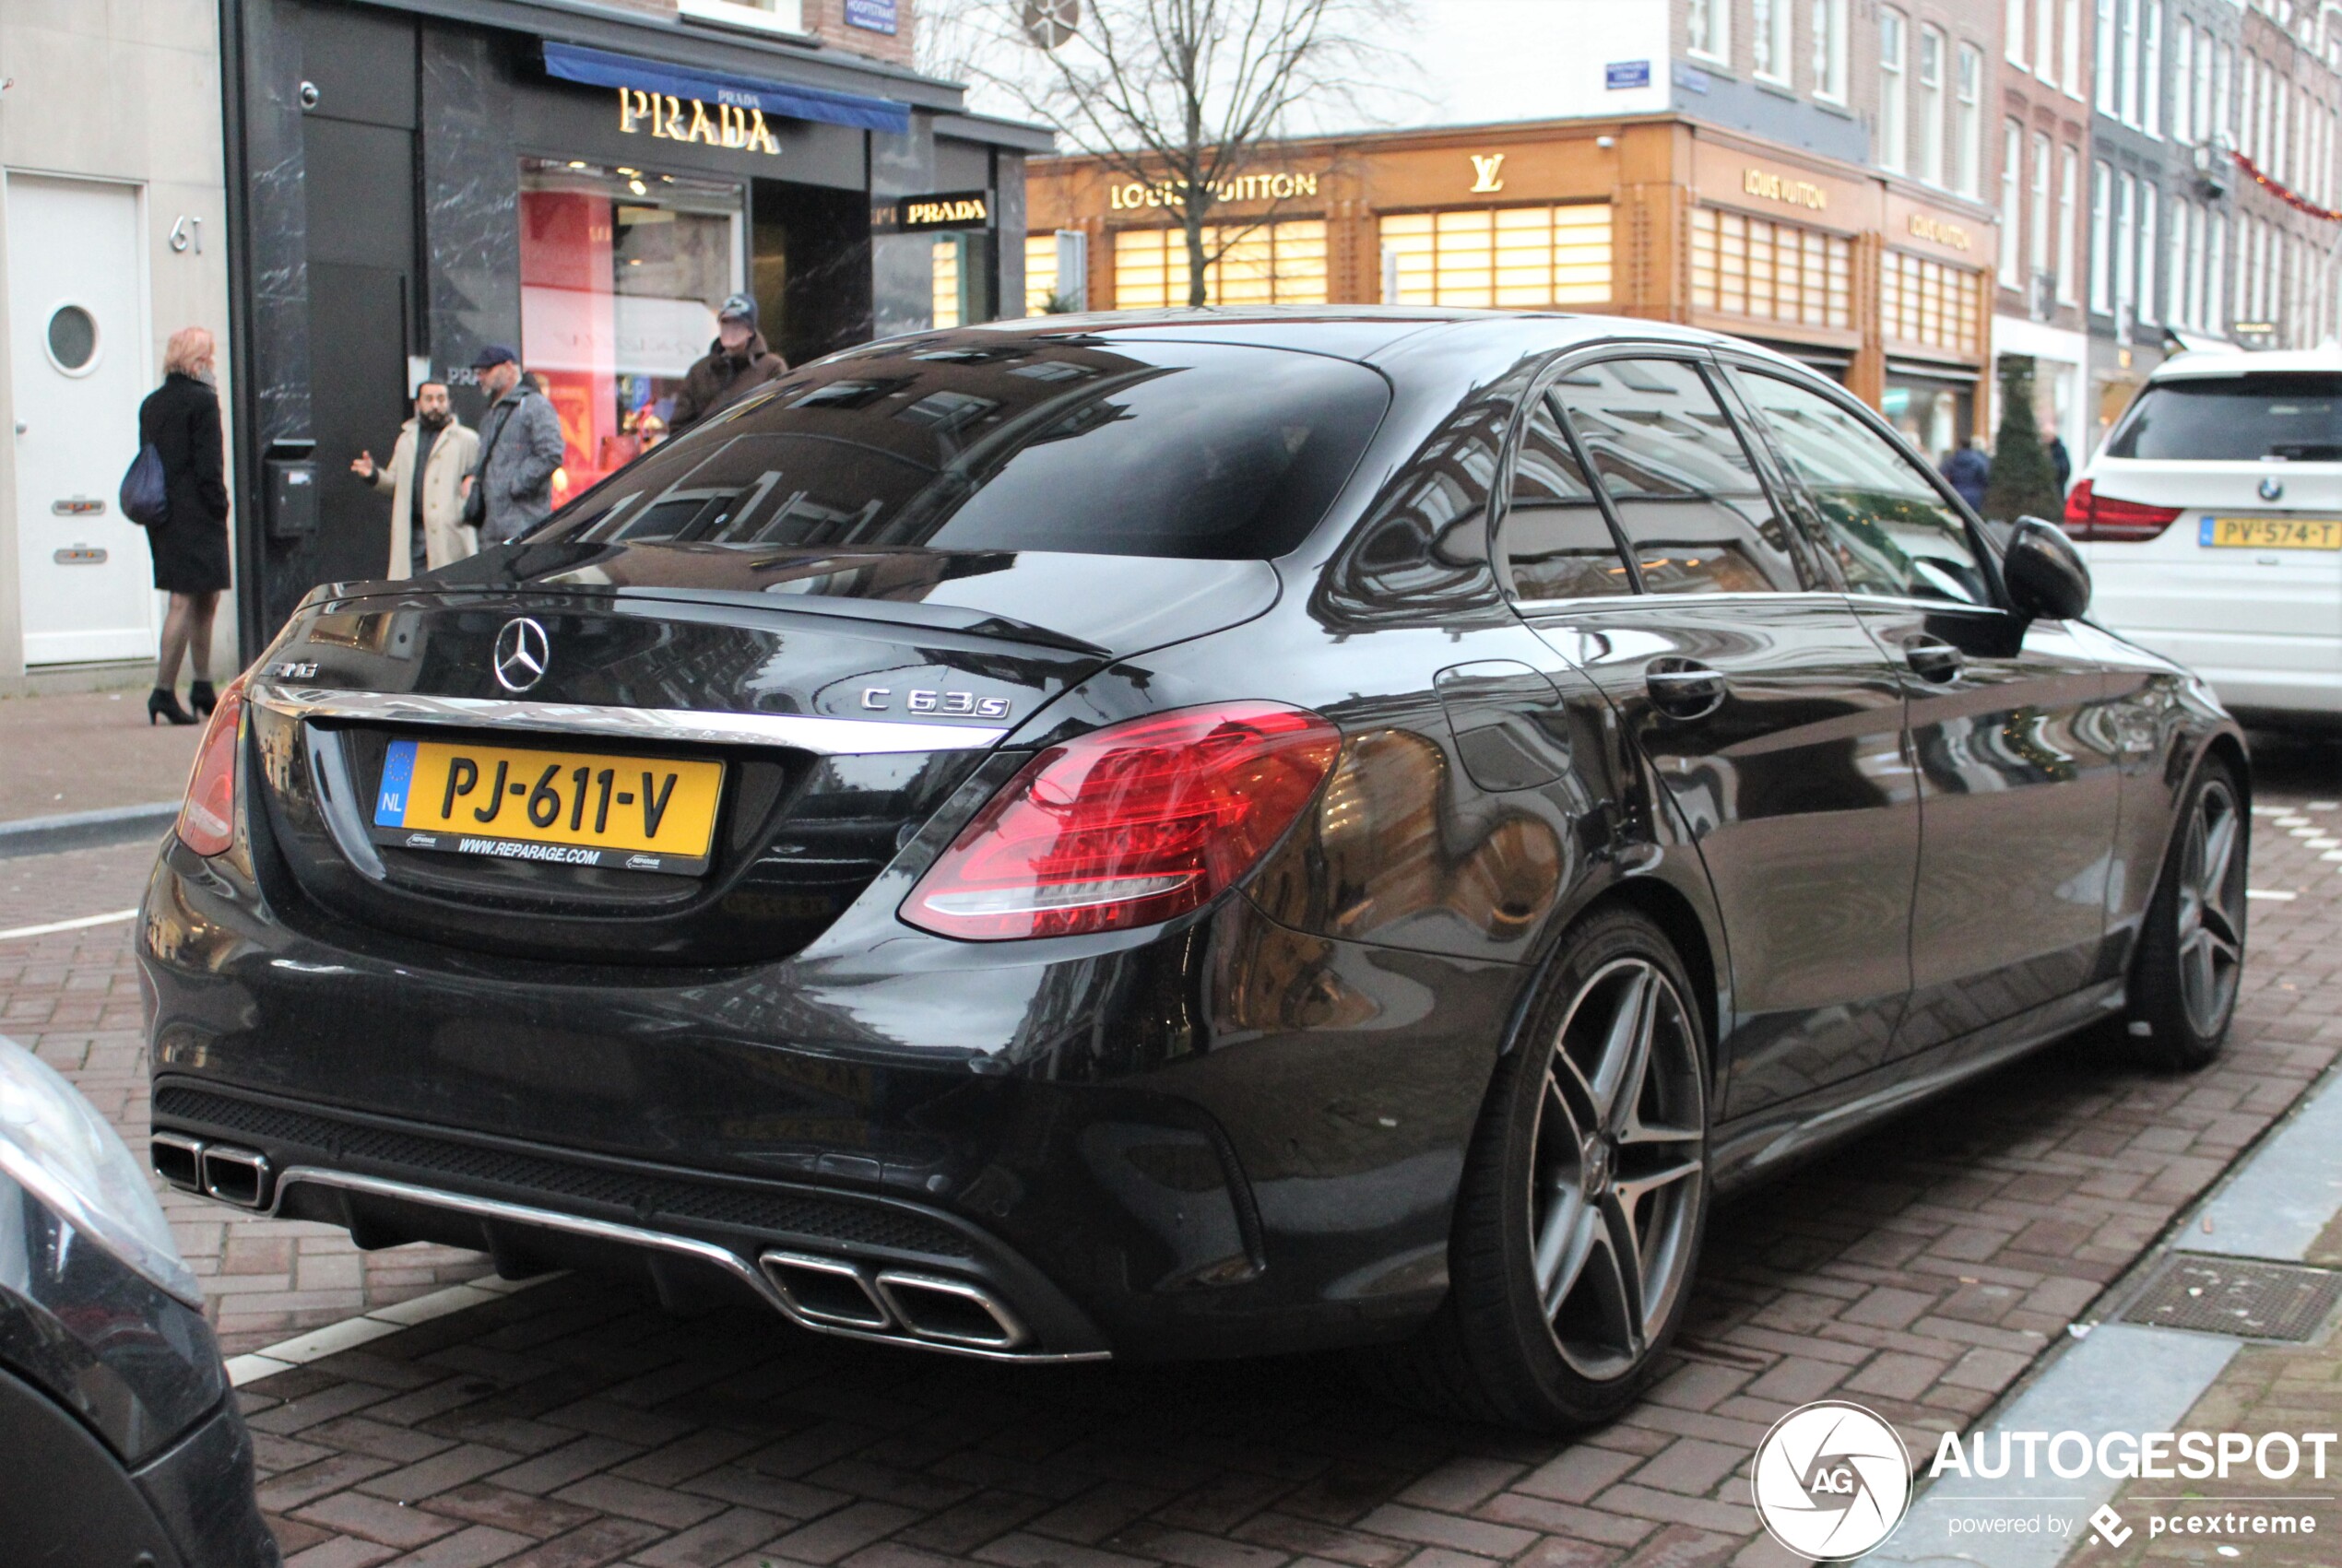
column 1180, row 835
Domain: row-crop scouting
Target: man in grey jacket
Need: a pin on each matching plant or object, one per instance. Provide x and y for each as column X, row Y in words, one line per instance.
column 510, row 488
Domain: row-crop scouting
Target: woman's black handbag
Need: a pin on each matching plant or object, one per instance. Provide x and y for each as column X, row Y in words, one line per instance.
column 145, row 498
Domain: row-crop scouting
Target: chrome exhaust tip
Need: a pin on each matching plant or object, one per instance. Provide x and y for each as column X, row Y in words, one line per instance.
column 826, row 1293
column 949, row 1312
column 235, row 1175
column 177, row 1159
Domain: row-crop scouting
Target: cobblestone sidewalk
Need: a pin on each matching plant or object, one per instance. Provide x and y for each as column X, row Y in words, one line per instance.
column 1921, row 1271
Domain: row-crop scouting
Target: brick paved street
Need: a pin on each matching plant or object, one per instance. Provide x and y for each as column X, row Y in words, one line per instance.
column 1921, row 1271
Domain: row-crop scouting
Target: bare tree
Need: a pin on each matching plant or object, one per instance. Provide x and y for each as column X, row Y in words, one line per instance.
column 1181, row 97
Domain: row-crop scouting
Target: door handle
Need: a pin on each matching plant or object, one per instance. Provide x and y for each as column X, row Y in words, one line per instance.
column 1684, row 689
column 1931, row 660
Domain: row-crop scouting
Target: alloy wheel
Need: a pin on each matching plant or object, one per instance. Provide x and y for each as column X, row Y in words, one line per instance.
column 1617, row 1168
column 2210, row 913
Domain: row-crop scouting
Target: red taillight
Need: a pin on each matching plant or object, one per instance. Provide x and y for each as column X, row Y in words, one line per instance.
column 208, row 817
column 2089, row 515
column 1129, row 825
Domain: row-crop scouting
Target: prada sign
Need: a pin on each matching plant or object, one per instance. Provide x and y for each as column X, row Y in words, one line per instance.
column 943, row 211
column 688, row 120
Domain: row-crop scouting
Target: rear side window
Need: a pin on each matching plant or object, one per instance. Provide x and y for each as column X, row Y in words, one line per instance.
column 1554, row 539
column 2236, row 419
column 1180, row 450
column 1693, row 511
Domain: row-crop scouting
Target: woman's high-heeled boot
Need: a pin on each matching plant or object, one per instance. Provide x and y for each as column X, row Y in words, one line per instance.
column 201, row 697
column 163, row 704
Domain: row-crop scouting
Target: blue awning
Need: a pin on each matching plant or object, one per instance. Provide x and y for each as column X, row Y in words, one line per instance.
column 599, row 68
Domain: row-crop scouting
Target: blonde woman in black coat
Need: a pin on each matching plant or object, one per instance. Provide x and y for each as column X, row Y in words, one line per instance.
column 181, row 419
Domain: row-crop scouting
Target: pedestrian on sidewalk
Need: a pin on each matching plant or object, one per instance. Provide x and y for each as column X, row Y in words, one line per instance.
column 2060, row 459
column 424, row 477
column 510, row 489
column 737, row 363
column 1970, row 472
column 181, row 421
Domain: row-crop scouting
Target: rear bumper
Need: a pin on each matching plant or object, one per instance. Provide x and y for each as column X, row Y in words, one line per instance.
column 532, row 1208
column 1221, row 1138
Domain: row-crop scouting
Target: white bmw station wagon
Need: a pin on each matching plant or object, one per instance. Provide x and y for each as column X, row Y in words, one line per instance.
column 2211, row 518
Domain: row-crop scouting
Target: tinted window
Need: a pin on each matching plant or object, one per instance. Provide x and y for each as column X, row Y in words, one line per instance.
column 1555, row 539
column 1694, row 512
column 1889, row 529
column 2236, row 418
column 1195, row 451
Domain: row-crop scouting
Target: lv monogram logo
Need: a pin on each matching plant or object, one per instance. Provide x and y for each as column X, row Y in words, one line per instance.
column 1486, row 172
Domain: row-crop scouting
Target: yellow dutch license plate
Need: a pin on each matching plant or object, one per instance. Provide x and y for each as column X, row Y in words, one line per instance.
column 560, row 807
column 2272, row 533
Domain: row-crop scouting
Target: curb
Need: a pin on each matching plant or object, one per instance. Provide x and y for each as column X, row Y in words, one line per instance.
column 86, row 830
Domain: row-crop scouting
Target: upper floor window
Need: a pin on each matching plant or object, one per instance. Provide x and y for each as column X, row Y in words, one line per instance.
column 1830, row 49
column 1768, row 27
column 1969, row 126
column 1894, row 106
column 1931, row 106
column 1711, row 29
column 2013, row 30
column 2012, row 166
column 2069, row 67
column 2045, row 40
column 2150, row 118
column 2104, row 54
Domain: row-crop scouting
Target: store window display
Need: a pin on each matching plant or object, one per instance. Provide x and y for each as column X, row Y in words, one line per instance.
column 622, row 274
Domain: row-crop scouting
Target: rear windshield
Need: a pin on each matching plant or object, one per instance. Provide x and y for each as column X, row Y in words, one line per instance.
column 2236, row 418
column 1191, row 450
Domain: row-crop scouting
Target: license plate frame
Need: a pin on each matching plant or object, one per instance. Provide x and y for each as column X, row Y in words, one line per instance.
column 2269, row 532
column 593, row 824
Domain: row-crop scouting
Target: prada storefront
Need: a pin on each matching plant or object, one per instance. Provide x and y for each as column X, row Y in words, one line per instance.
column 411, row 180
column 1880, row 285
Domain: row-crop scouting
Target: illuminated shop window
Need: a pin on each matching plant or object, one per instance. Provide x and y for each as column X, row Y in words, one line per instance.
column 1513, row 256
column 950, row 302
column 1271, row 264
column 1927, row 301
column 621, row 274
column 1040, row 272
column 1751, row 266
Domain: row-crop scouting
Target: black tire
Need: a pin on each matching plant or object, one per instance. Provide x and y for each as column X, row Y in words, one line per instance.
column 1554, row 1178
column 2185, row 976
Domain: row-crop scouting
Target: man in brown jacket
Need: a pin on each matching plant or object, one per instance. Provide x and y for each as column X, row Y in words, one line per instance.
column 738, row 362
column 424, row 478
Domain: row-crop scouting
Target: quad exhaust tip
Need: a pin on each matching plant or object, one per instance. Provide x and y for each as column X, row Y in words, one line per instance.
column 833, row 1295
column 214, row 1170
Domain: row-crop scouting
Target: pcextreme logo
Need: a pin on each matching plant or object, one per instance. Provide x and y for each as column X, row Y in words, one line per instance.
column 1832, row 1480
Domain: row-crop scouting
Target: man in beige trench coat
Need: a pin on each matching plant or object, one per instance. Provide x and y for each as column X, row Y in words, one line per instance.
column 427, row 529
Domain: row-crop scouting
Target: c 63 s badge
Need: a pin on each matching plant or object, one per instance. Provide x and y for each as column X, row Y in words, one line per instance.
column 919, row 699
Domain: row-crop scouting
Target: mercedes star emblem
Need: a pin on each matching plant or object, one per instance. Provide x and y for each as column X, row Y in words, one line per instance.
column 2271, row 488
column 522, row 653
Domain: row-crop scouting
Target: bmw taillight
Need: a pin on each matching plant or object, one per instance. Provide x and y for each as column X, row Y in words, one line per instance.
column 1130, row 825
column 208, row 817
column 2089, row 515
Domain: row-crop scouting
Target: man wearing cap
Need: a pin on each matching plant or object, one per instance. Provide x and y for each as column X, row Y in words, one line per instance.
column 738, row 362
column 510, row 488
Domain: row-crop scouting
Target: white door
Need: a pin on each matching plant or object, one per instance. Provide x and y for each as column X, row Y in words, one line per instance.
column 78, row 352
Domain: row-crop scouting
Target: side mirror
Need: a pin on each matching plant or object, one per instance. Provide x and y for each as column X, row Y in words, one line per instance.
column 2045, row 575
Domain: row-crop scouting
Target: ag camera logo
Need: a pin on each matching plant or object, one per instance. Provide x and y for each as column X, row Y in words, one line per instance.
column 1832, row 1480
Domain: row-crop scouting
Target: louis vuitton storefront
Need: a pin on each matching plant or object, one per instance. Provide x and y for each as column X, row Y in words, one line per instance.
column 1879, row 284
column 420, row 178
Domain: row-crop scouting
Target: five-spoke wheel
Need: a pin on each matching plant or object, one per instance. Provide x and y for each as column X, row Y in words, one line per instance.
column 2184, row 981
column 1584, row 1195
column 1616, row 1166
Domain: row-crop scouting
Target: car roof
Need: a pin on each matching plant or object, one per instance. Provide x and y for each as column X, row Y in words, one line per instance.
column 2200, row 363
column 1351, row 332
